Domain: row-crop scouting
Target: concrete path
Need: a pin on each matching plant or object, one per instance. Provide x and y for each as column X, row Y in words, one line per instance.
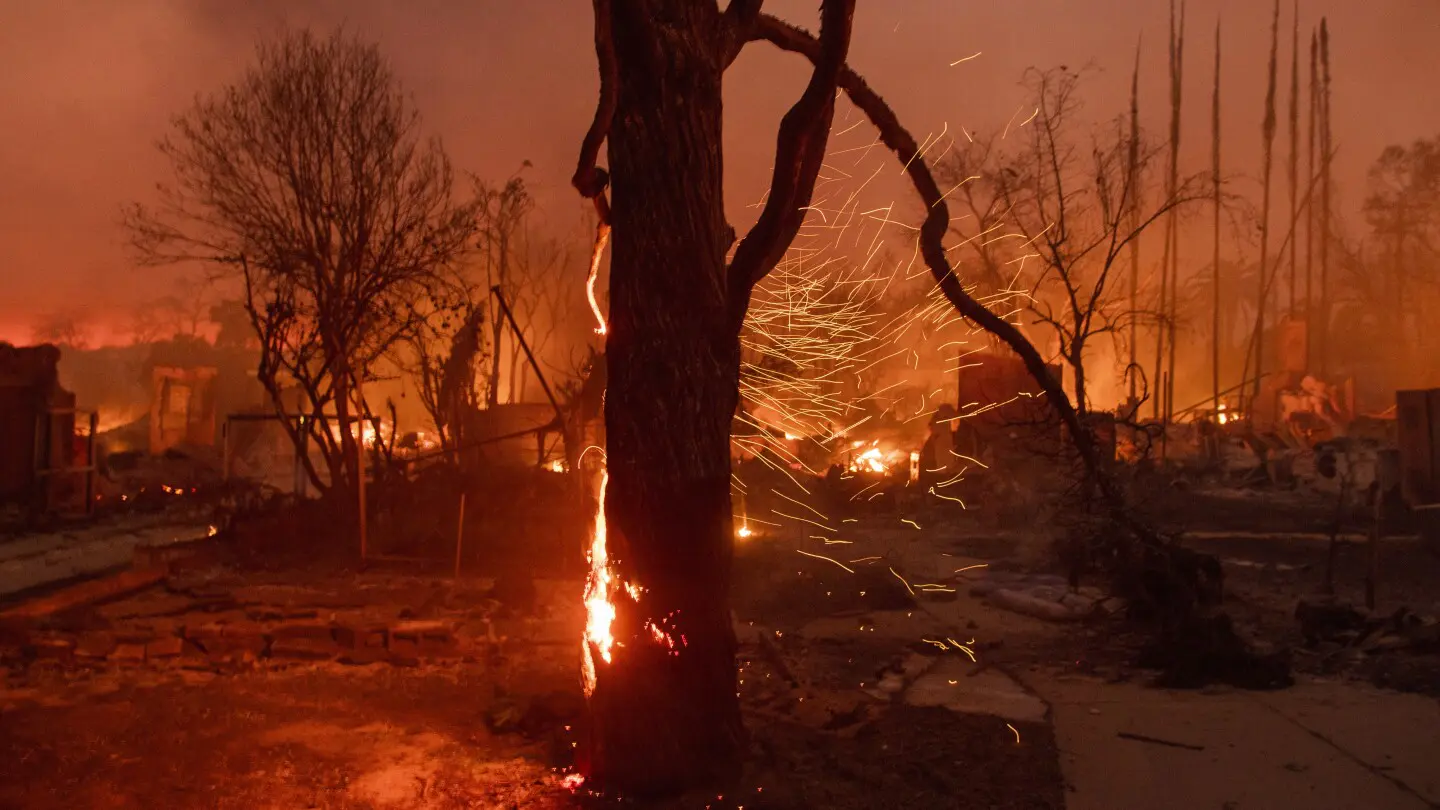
column 1316, row 746
column 1320, row 746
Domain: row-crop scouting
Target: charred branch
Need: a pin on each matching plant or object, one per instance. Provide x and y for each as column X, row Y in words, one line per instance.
column 799, row 153
column 590, row 180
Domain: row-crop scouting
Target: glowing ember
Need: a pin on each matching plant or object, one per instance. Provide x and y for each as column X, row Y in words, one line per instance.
column 556, row 466
column 743, row 532
column 573, row 781
column 212, row 532
column 602, row 235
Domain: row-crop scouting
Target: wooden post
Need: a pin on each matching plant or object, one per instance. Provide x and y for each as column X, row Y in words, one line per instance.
column 91, row 461
column 1387, row 481
column 1267, row 131
column 225, row 450
column 360, row 462
column 360, row 491
column 1375, row 534
column 459, row 535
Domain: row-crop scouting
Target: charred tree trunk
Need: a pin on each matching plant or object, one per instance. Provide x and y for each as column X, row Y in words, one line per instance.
column 1327, row 154
column 664, row 719
column 1133, row 179
column 1215, row 247
column 1312, row 112
column 1267, row 132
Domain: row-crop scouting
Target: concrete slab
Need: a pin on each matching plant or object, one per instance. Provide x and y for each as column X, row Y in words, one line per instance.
column 955, row 684
column 40, row 560
column 1251, row 758
column 1395, row 734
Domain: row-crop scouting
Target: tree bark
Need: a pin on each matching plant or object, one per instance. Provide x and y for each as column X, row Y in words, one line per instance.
column 664, row 719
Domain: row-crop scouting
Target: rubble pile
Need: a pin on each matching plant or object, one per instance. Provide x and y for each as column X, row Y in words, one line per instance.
column 1043, row 596
column 219, row 628
column 1330, row 626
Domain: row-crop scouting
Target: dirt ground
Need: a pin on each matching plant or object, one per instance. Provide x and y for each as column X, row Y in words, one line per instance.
column 483, row 725
column 485, row 721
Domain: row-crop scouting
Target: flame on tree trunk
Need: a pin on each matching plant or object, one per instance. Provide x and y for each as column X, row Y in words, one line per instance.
column 673, row 383
column 660, row 671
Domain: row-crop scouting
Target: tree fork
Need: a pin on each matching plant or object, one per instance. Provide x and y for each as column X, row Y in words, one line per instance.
column 663, row 714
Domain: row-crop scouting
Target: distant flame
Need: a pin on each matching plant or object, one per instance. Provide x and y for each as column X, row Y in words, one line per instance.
column 743, row 532
column 871, row 460
column 877, row 461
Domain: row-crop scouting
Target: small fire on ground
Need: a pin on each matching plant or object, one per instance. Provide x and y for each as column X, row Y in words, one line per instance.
column 875, row 460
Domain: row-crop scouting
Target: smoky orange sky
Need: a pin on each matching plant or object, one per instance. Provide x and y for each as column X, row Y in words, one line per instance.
column 88, row 86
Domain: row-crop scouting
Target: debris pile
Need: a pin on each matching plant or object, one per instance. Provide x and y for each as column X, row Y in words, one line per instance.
column 1043, row 596
column 1331, row 626
column 219, row 628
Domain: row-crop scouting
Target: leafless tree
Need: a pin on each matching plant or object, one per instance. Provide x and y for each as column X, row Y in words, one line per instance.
column 443, row 351
column 64, row 329
column 183, row 312
column 308, row 183
column 503, row 213
column 542, row 295
column 1054, row 214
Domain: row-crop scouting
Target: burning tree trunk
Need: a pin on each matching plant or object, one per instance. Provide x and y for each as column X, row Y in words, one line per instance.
column 673, row 360
column 660, row 647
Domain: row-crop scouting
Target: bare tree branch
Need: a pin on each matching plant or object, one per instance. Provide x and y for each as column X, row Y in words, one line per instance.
column 932, row 232
column 799, row 153
column 740, row 17
column 590, row 180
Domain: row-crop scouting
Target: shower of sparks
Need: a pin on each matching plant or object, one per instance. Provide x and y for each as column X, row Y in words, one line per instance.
column 903, row 582
column 828, row 559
